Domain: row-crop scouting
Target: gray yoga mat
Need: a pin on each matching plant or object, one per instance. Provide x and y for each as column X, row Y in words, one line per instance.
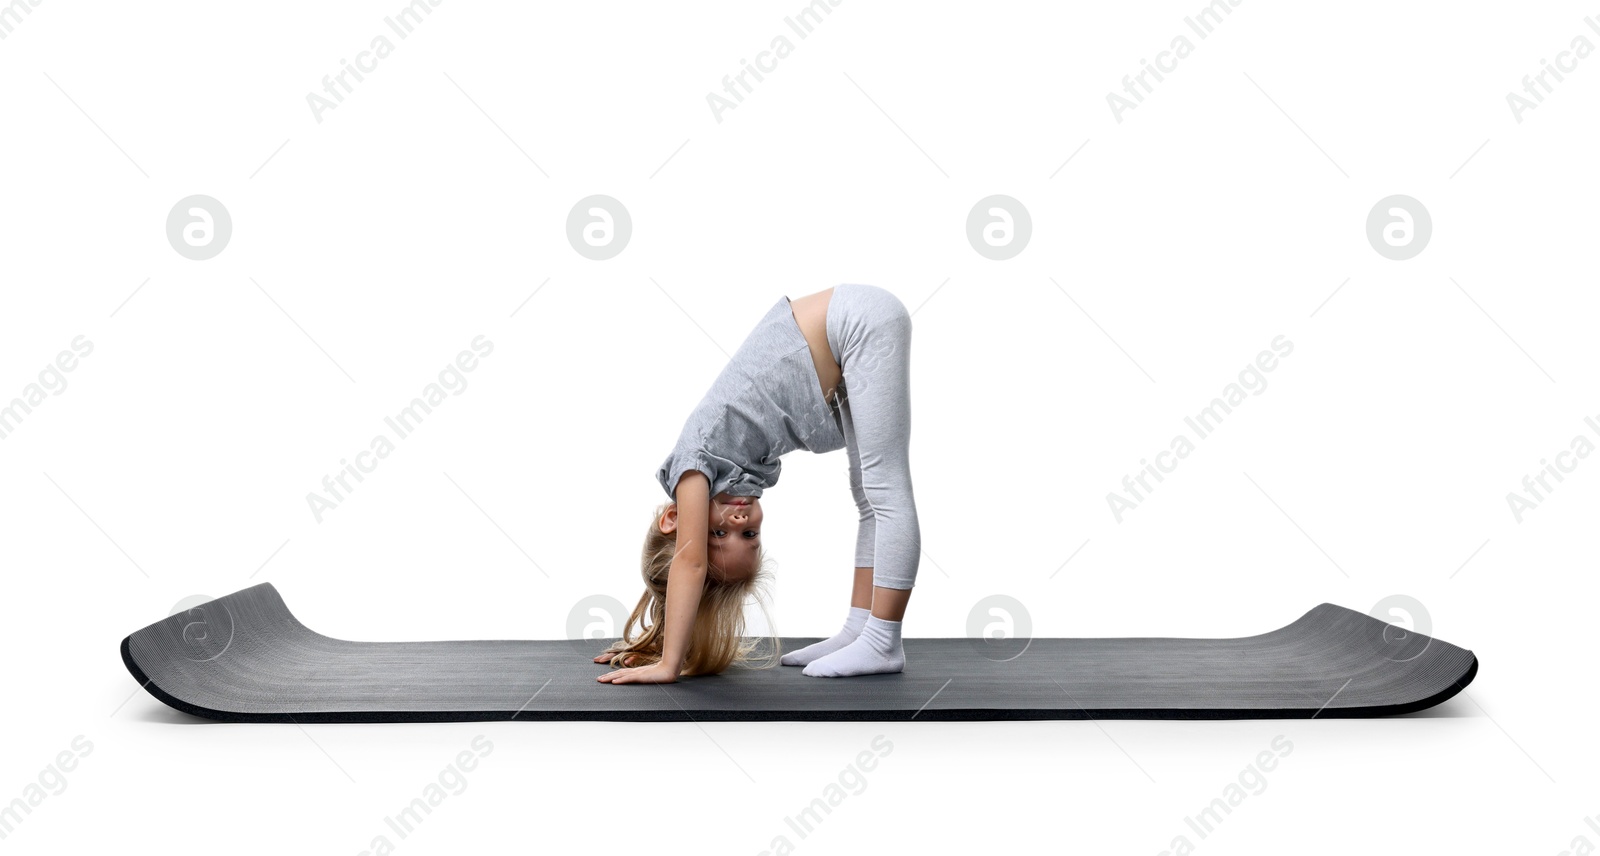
column 245, row 658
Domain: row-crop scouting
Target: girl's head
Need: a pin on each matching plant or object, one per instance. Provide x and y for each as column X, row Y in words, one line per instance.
column 734, row 551
column 735, row 570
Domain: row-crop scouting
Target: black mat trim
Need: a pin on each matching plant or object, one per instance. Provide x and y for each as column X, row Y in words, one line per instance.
column 1343, row 664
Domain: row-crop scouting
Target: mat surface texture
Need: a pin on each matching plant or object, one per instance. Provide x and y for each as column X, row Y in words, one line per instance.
column 245, row 658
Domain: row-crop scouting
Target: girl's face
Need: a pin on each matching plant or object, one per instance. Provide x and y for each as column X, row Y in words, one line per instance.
column 735, row 530
column 735, row 525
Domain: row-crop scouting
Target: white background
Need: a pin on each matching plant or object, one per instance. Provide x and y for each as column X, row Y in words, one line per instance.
column 372, row 246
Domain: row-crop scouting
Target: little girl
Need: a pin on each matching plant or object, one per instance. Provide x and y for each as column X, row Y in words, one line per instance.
column 830, row 370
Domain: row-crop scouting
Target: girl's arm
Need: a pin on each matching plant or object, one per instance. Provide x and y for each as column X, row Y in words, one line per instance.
column 685, row 583
column 686, row 578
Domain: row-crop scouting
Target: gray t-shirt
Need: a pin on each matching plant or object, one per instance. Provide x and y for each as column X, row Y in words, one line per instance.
column 765, row 403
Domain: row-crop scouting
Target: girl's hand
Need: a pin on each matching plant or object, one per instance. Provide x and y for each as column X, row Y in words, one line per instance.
column 626, row 661
column 655, row 673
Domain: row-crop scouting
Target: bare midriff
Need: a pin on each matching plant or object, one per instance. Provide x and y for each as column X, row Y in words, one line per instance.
column 811, row 314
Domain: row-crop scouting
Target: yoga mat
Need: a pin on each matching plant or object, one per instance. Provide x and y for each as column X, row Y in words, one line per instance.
column 245, row 658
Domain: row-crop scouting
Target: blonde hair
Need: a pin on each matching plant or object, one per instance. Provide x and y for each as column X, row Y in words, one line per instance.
column 718, row 639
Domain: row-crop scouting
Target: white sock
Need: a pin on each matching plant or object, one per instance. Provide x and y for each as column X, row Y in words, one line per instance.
column 852, row 628
column 876, row 651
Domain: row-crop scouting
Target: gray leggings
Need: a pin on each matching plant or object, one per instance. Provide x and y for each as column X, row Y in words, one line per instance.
column 869, row 331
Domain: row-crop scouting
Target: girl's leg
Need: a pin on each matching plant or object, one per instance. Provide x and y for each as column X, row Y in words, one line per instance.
column 867, row 521
column 873, row 343
column 876, row 416
column 862, row 599
column 868, row 360
column 860, row 610
column 886, row 603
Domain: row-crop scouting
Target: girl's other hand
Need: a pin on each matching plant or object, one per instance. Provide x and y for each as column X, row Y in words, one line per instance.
column 655, row 673
column 626, row 661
